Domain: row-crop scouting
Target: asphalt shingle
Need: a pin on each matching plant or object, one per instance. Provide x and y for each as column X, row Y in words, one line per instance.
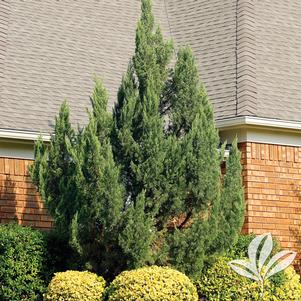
column 248, row 52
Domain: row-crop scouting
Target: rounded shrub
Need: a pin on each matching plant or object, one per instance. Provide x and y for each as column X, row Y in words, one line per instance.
column 152, row 284
column 220, row 283
column 75, row 286
column 22, row 254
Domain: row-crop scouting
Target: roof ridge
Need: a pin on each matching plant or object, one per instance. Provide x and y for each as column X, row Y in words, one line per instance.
column 246, row 90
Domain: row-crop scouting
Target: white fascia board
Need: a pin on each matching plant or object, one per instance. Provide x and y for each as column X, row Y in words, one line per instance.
column 258, row 122
column 23, row 135
column 222, row 124
column 260, row 130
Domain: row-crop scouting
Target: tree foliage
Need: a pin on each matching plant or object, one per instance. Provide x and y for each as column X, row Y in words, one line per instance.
column 141, row 186
column 232, row 202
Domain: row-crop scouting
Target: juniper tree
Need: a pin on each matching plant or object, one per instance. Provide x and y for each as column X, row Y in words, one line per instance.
column 138, row 125
column 188, row 177
column 128, row 190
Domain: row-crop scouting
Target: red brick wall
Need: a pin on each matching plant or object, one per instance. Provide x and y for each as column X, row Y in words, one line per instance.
column 18, row 197
column 272, row 179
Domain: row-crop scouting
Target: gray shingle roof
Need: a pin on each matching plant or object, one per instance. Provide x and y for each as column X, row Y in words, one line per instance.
column 278, row 59
column 209, row 27
column 52, row 50
column 249, row 54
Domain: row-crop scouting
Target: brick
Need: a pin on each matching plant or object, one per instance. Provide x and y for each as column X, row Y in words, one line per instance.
column 6, row 166
column 2, row 166
column 19, row 167
column 271, row 176
column 271, row 152
column 19, row 199
column 296, row 154
column 11, row 163
column 273, row 192
column 31, row 217
column 27, row 163
column 253, row 150
column 43, row 224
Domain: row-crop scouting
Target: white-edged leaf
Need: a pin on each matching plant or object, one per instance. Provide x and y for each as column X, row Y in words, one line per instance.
column 253, row 250
column 265, row 251
column 281, row 265
column 243, row 268
column 276, row 257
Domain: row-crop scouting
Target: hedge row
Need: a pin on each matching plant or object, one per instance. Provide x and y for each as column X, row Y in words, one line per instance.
column 25, row 266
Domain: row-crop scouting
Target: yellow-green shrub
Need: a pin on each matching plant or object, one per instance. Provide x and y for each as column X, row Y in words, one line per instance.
column 290, row 290
column 75, row 286
column 220, row 283
column 152, row 284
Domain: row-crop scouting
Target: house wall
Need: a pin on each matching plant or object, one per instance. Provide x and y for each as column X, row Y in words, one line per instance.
column 19, row 199
column 271, row 176
column 272, row 180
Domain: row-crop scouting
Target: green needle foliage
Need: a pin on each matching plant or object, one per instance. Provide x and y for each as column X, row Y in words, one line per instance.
column 141, row 187
column 53, row 171
column 186, row 92
column 192, row 124
column 100, row 202
column 232, row 202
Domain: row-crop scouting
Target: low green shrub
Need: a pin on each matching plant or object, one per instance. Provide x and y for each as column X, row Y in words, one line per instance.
column 22, row 253
column 75, row 286
column 152, row 284
column 220, row 283
column 240, row 248
column 60, row 256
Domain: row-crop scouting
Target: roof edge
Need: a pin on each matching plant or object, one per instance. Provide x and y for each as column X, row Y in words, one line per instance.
column 222, row 124
column 235, row 122
column 23, row 135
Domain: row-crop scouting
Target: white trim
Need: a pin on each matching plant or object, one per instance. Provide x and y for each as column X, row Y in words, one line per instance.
column 261, row 135
column 258, row 121
column 19, row 144
column 23, row 135
column 14, row 149
column 223, row 124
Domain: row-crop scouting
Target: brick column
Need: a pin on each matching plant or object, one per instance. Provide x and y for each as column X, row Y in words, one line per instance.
column 19, row 199
column 272, row 180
